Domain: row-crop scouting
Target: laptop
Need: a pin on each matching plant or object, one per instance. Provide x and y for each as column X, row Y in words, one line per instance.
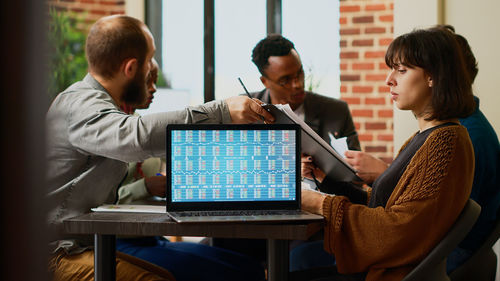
column 234, row 173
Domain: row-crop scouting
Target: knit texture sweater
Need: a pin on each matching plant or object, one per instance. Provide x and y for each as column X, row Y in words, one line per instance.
column 389, row 242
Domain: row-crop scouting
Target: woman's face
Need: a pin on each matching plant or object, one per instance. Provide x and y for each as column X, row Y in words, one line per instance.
column 411, row 89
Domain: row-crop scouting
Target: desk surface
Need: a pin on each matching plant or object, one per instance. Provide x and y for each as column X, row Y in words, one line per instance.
column 142, row 224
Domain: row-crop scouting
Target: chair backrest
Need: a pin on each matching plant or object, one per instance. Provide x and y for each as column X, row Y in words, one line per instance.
column 433, row 267
column 482, row 265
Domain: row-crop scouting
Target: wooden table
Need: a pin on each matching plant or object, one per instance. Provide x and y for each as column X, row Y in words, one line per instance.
column 105, row 226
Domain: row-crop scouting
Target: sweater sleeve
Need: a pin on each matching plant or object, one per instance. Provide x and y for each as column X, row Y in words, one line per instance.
column 425, row 203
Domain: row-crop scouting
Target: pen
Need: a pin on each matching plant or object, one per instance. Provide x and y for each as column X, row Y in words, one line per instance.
column 244, row 88
column 248, row 94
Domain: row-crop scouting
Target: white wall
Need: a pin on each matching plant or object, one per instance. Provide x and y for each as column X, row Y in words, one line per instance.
column 135, row 9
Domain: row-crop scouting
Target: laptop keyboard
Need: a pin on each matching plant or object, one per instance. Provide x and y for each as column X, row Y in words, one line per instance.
column 237, row 213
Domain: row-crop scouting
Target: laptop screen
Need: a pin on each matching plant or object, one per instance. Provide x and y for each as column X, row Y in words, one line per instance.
column 233, row 166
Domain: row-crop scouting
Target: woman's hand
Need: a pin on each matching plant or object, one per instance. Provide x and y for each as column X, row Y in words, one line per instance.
column 312, row 201
column 308, row 168
column 368, row 167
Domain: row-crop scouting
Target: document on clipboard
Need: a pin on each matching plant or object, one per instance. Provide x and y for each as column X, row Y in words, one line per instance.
column 325, row 157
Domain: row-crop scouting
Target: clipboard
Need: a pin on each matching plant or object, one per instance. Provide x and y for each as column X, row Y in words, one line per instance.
column 325, row 157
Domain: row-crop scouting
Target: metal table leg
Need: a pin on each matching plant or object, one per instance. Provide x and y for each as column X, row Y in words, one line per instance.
column 277, row 260
column 104, row 257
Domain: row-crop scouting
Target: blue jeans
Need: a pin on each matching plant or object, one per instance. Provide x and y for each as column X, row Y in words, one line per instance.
column 309, row 255
column 192, row 261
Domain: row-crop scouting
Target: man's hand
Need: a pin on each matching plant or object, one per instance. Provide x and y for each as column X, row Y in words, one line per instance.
column 156, row 185
column 308, row 168
column 369, row 168
column 245, row 110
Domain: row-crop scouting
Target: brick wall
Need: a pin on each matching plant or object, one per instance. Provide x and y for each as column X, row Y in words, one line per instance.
column 366, row 30
column 92, row 10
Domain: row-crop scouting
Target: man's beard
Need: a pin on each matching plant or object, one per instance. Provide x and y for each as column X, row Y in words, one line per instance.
column 135, row 93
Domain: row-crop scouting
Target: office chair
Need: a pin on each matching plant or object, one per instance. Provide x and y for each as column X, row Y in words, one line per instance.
column 433, row 267
column 482, row 265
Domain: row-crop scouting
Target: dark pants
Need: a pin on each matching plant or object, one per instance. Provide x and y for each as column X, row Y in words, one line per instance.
column 192, row 261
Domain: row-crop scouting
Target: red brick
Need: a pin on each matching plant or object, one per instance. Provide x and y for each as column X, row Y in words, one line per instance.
column 98, row 12
column 375, row 77
column 365, row 137
column 352, row 100
column 364, row 42
column 343, row 43
column 349, row 55
column 374, row 101
column 342, row 20
column 343, row 66
column 375, row 125
column 363, row 19
column 384, row 41
column 371, row 149
column 362, row 113
column 385, row 137
column 375, row 7
column 384, row 89
column 349, row 77
column 343, row 89
column 371, row 30
column 375, row 54
column 357, row 125
column 77, row 10
column 387, row 18
column 353, row 8
column 363, row 66
column 349, row 31
column 362, row 89
column 87, row 1
column 383, row 66
column 385, row 113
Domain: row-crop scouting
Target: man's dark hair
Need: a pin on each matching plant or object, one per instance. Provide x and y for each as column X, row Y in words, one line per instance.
column 437, row 52
column 112, row 40
column 272, row 45
column 469, row 58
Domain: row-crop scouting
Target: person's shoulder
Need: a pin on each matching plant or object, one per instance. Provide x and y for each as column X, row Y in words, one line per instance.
column 449, row 136
column 325, row 100
column 258, row 95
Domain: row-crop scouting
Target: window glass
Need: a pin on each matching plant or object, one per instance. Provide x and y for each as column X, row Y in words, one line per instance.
column 239, row 25
column 183, row 51
column 313, row 26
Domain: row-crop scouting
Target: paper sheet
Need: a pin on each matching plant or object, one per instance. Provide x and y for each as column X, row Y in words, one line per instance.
column 131, row 208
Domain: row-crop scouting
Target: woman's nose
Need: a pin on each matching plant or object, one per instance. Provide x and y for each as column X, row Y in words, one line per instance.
column 389, row 81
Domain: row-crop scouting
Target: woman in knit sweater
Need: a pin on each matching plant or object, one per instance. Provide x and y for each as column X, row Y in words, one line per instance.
column 384, row 232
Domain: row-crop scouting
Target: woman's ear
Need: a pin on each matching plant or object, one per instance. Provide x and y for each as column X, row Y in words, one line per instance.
column 130, row 67
column 429, row 81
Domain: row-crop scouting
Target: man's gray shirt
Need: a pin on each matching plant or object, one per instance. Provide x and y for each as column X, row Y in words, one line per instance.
column 90, row 140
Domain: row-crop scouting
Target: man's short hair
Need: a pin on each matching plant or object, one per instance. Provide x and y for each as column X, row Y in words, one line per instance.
column 272, row 45
column 112, row 40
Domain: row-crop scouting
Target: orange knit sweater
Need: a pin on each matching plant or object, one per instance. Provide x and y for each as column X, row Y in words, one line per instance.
column 389, row 242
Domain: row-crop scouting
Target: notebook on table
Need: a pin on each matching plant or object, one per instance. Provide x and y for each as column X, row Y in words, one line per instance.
column 231, row 173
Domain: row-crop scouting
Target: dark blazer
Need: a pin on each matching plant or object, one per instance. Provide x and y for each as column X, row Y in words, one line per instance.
column 324, row 114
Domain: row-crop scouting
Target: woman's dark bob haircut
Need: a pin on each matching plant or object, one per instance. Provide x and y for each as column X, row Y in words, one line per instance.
column 436, row 51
